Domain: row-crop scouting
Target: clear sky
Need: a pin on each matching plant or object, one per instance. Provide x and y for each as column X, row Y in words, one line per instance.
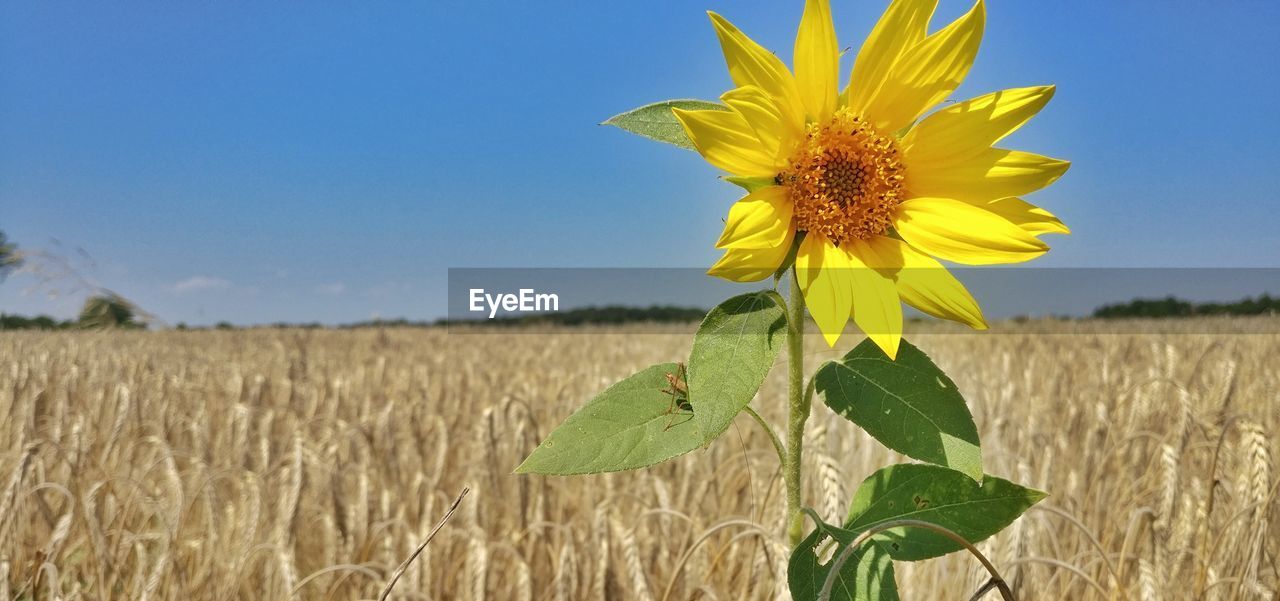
column 273, row 161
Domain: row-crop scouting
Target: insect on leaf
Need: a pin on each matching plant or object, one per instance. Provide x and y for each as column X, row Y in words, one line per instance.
column 633, row 424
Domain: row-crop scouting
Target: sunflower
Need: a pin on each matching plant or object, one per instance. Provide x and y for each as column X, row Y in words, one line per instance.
column 863, row 192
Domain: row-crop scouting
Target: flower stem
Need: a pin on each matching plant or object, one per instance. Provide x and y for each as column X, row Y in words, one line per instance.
column 799, row 413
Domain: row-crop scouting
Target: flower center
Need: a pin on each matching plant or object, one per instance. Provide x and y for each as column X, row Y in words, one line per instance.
column 845, row 180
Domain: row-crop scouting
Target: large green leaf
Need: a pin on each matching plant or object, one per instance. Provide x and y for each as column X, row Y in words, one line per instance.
column 657, row 122
column 939, row 496
column 733, row 351
column 632, row 424
column 909, row 405
column 867, row 575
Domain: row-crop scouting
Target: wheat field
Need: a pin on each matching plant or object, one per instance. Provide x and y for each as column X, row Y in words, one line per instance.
column 308, row 464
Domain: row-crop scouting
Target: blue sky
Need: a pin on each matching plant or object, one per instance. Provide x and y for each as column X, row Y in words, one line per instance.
column 282, row 161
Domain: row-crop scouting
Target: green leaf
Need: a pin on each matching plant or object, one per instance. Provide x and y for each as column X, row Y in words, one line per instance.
column 657, row 122
column 632, row 424
column 866, row 576
column 939, row 496
column 909, row 405
column 733, row 351
column 750, row 184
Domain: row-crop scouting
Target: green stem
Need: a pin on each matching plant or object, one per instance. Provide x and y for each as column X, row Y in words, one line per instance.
column 799, row 413
column 773, row 436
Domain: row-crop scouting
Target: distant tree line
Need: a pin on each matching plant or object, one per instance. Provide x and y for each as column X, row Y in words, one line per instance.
column 99, row 312
column 1175, row 307
column 39, row 322
column 115, row 312
column 109, row 311
column 606, row 315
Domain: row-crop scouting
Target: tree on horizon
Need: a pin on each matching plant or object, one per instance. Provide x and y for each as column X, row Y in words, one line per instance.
column 108, row 311
column 10, row 258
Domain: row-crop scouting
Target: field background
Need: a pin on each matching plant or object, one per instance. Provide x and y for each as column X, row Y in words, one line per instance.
column 307, row 464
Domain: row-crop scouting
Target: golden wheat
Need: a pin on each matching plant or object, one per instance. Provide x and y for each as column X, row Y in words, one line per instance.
column 284, row 464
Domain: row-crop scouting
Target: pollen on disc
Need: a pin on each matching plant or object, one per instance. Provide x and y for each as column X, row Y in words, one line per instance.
column 845, row 180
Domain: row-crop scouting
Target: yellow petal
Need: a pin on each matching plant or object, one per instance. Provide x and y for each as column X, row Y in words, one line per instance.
column 972, row 126
column 963, row 233
column 725, row 140
column 990, row 174
column 750, row 64
column 817, row 58
column 1029, row 217
column 876, row 308
column 903, row 25
column 925, row 284
column 751, row 264
column 761, row 219
column 823, row 271
column 765, row 120
column 927, row 73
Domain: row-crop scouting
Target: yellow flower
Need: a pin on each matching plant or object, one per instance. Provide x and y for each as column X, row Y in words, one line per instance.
column 876, row 191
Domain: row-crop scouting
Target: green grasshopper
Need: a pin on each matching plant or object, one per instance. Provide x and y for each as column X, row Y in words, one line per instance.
column 678, row 388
